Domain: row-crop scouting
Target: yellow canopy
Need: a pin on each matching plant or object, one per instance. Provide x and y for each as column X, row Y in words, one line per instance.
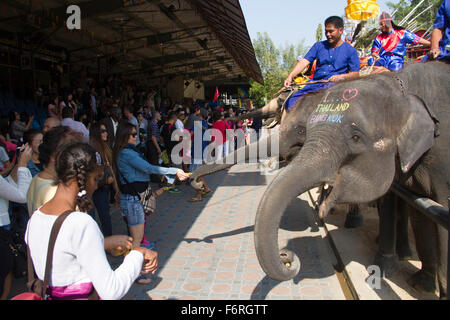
column 362, row 9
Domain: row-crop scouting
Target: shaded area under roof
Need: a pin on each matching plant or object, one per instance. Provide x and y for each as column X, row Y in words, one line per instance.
column 204, row 40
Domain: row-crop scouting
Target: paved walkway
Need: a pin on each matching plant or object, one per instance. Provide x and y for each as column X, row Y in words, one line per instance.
column 206, row 249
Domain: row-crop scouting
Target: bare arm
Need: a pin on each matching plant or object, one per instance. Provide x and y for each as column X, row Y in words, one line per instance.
column 424, row 42
column 299, row 68
column 436, row 36
column 346, row 76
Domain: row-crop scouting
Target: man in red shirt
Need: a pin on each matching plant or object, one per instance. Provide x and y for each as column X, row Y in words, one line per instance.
column 220, row 124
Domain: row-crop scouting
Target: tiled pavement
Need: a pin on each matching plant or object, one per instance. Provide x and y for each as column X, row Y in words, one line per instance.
column 206, row 249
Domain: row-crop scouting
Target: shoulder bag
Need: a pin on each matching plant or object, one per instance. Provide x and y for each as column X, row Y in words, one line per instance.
column 38, row 288
column 147, row 198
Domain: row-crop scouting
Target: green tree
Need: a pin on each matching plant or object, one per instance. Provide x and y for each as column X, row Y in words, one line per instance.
column 275, row 64
column 422, row 18
column 319, row 33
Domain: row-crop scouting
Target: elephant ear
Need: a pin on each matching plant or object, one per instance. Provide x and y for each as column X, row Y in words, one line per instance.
column 417, row 134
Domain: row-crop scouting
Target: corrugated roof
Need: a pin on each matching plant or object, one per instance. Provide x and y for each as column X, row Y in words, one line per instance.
column 198, row 39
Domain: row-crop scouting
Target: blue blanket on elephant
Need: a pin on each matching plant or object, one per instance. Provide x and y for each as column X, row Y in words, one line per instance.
column 330, row 61
column 314, row 87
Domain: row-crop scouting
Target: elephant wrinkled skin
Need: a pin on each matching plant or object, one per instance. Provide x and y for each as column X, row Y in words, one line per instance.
column 361, row 136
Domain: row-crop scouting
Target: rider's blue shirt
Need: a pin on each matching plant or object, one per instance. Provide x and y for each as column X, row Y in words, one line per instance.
column 330, row 62
column 333, row 61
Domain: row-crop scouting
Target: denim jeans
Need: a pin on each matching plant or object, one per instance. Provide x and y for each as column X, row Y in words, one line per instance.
column 132, row 209
column 101, row 202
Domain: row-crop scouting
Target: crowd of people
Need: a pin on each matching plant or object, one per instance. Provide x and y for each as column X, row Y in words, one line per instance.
column 94, row 150
column 91, row 152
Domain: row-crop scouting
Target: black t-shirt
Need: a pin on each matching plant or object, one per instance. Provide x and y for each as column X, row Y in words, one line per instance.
column 166, row 135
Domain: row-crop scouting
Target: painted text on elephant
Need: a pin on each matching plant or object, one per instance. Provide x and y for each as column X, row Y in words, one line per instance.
column 331, row 107
column 336, row 118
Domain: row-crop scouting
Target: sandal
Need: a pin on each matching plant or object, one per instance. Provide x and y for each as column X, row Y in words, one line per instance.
column 204, row 193
column 195, row 200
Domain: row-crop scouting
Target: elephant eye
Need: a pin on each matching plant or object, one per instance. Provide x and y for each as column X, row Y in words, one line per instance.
column 302, row 131
column 355, row 138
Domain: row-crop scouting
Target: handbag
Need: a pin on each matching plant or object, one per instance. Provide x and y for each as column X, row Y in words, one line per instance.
column 146, row 198
column 38, row 288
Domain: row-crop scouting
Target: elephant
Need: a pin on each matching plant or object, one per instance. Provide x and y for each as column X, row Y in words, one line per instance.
column 292, row 135
column 363, row 135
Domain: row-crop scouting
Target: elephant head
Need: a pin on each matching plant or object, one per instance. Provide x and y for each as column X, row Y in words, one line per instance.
column 354, row 135
column 291, row 137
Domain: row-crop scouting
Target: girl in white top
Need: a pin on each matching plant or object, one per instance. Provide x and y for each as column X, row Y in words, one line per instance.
column 79, row 259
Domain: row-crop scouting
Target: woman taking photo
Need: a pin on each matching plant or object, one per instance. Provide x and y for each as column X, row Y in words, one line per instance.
column 133, row 174
column 34, row 139
column 16, row 191
column 98, row 139
column 79, row 260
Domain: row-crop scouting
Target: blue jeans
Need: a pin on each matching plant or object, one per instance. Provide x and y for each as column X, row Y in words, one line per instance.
column 101, row 202
column 132, row 209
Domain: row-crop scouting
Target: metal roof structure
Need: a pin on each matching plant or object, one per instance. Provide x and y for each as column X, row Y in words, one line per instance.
column 201, row 39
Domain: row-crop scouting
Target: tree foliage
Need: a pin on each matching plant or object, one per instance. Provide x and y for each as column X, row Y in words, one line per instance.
column 426, row 18
column 275, row 63
column 319, row 33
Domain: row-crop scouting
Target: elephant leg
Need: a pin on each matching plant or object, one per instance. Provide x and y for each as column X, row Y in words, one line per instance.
column 427, row 246
column 403, row 248
column 386, row 257
column 354, row 217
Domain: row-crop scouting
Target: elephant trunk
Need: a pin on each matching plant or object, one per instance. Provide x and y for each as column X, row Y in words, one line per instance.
column 312, row 166
column 266, row 112
column 247, row 154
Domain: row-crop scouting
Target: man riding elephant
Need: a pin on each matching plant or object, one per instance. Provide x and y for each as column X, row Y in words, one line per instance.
column 389, row 47
column 336, row 61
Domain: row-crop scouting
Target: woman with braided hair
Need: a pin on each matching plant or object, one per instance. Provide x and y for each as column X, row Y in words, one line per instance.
column 43, row 186
column 79, row 260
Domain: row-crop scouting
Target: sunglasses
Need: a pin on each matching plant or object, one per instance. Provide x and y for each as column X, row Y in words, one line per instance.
column 134, row 134
column 103, row 130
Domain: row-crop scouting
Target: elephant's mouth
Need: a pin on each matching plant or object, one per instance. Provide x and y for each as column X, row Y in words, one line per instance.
column 293, row 151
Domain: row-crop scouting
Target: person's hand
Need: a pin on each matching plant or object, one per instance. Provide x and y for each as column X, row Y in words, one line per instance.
column 288, row 81
column 181, row 175
column 118, row 243
column 434, row 53
column 150, row 260
column 25, row 156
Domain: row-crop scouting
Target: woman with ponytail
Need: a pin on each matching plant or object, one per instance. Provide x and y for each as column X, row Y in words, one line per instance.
column 79, row 263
